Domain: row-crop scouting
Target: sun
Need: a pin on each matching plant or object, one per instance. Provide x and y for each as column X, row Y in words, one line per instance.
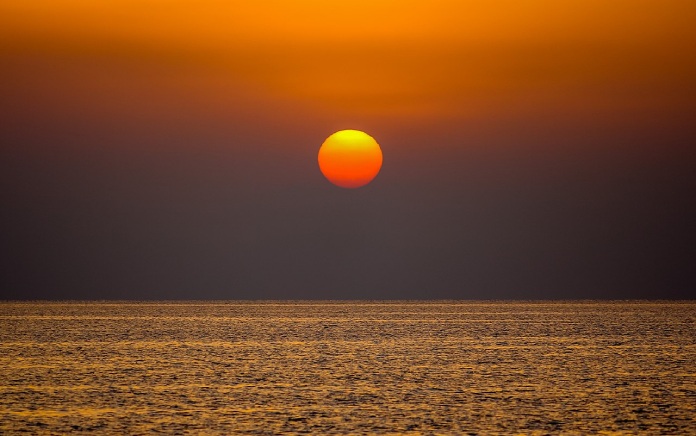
column 350, row 158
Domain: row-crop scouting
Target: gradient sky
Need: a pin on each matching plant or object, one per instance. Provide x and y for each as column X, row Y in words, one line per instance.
column 156, row 149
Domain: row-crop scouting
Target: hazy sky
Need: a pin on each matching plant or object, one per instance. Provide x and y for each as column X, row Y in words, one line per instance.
column 168, row 149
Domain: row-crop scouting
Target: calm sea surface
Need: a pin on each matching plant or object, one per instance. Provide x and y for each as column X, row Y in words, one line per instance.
column 348, row 367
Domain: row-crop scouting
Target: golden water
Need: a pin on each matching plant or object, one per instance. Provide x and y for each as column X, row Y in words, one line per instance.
column 348, row 367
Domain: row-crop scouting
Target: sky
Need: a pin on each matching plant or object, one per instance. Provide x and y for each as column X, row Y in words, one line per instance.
column 533, row 149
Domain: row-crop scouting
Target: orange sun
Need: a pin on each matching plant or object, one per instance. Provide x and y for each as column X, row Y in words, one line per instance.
column 350, row 158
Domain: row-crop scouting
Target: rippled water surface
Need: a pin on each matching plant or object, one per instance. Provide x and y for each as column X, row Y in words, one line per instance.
column 348, row 367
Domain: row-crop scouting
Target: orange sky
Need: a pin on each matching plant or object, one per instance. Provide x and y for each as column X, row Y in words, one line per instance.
column 407, row 61
column 172, row 144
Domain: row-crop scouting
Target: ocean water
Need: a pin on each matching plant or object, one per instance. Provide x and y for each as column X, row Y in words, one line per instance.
column 447, row 367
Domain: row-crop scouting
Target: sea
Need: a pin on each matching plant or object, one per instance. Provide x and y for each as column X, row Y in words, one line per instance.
column 348, row 367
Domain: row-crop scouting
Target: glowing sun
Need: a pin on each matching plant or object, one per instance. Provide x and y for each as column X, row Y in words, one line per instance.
column 350, row 158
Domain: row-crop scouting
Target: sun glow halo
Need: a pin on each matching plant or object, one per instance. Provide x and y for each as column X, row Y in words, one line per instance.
column 350, row 158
